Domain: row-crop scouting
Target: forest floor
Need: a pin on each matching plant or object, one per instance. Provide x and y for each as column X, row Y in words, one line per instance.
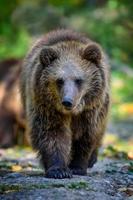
column 111, row 178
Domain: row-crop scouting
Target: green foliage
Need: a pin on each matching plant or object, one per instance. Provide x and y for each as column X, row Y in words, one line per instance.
column 122, row 87
column 108, row 22
column 13, row 39
column 122, row 96
column 14, row 47
column 108, row 26
column 111, row 152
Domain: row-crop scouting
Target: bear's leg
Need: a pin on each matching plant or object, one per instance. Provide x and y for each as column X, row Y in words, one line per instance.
column 80, row 157
column 93, row 158
column 55, row 157
column 53, row 146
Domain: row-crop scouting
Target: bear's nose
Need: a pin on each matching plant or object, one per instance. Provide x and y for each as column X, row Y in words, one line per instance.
column 67, row 102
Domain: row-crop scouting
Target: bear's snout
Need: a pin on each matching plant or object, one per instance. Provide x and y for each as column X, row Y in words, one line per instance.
column 67, row 103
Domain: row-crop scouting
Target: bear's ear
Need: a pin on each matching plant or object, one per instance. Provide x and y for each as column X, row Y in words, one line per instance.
column 92, row 53
column 48, row 55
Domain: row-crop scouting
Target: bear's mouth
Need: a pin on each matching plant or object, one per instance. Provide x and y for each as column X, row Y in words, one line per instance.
column 69, row 109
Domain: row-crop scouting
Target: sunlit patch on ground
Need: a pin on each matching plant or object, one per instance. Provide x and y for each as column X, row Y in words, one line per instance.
column 18, row 159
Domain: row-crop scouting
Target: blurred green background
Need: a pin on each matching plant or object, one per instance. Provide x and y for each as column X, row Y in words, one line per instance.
column 108, row 22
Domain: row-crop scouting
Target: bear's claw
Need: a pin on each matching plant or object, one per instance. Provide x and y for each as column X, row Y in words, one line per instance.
column 59, row 173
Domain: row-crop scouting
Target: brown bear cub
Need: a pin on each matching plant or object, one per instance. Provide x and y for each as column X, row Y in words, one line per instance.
column 65, row 92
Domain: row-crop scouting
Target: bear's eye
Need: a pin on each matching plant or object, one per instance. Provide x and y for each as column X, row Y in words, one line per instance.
column 78, row 81
column 59, row 82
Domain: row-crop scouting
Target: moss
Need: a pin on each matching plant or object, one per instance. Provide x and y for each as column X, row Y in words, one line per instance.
column 78, row 185
column 5, row 188
column 57, row 185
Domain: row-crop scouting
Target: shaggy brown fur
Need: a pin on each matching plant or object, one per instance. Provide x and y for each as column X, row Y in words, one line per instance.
column 65, row 92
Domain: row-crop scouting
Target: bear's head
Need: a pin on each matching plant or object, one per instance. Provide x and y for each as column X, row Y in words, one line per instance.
column 74, row 73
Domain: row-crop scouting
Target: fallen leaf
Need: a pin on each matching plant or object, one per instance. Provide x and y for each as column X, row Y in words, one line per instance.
column 127, row 190
column 16, row 168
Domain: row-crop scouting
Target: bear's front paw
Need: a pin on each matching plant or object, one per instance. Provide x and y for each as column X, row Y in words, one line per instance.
column 79, row 171
column 59, row 173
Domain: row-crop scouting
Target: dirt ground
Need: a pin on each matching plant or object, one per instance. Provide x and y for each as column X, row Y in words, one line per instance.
column 108, row 180
column 21, row 178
